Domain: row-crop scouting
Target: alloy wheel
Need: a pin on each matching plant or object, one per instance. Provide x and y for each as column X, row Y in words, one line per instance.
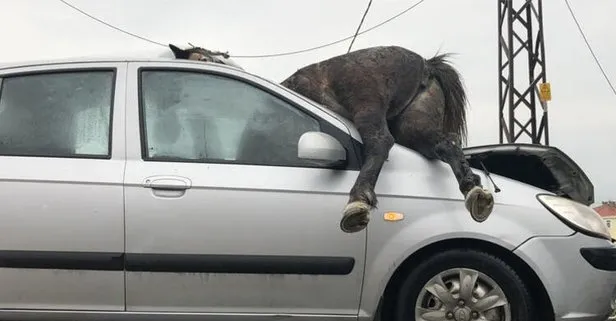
column 462, row 294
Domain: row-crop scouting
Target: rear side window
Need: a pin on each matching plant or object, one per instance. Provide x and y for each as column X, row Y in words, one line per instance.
column 63, row 114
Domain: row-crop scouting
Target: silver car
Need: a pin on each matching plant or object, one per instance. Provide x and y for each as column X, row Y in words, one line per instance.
column 180, row 190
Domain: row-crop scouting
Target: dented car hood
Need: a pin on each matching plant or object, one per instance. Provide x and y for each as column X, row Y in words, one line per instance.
column 544, row 167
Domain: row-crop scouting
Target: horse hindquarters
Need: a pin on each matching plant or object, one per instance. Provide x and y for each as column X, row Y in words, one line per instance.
column 421, row 128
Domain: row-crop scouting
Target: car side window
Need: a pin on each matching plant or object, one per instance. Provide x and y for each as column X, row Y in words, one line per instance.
column 56, row 114
column 200, row 117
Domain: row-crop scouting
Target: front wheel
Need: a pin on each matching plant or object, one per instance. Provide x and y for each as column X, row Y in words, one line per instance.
column 463, row 285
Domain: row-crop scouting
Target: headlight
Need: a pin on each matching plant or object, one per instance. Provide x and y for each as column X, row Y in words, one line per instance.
column 577, row 215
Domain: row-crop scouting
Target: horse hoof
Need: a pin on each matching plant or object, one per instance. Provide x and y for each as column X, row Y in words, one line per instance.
column 355, row 217
column 479, row 203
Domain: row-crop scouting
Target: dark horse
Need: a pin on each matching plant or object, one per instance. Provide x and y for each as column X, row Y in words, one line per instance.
column 391, row 94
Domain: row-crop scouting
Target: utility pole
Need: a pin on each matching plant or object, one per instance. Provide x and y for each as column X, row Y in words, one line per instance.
column 521, row 99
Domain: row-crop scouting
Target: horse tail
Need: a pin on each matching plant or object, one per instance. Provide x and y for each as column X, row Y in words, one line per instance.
column 455, row 97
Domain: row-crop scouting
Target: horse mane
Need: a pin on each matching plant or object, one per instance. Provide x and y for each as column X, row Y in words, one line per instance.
column 220, row 57
column 208, row 52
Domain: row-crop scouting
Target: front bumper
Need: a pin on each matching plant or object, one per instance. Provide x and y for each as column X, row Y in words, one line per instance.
column 602, row 258
column 578, row 272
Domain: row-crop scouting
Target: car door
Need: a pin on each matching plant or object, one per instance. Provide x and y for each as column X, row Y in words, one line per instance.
column 221, row 215
column 61, row 169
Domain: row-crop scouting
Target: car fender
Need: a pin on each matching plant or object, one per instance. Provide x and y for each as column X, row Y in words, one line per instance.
column 430, row 221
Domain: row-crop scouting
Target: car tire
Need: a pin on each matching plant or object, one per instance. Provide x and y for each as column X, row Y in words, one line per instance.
column 490, row 273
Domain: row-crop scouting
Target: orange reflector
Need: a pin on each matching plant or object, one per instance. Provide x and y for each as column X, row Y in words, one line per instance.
column 393, row 216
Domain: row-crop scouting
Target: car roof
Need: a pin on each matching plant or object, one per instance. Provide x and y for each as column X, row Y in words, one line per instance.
column 31, row 63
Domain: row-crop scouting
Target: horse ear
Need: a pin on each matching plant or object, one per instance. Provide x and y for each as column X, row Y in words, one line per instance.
column 179, row 53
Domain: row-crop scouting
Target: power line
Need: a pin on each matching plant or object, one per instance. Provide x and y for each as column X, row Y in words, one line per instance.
column 264, row 55
column 589, row 47
column 337, row 41
column 359, row 26
column 112, row 26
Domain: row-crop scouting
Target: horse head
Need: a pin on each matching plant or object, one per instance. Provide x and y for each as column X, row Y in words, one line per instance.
column 202, row 54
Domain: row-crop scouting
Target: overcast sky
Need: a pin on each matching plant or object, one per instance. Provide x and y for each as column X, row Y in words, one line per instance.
column 582, row 113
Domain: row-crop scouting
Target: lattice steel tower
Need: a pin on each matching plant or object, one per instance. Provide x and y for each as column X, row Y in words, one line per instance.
column 521, row 99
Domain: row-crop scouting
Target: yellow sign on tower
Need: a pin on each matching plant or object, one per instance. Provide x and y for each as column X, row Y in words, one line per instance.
column 545, row 92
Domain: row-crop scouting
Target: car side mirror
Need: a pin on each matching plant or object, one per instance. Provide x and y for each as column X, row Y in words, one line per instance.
column 321, row 147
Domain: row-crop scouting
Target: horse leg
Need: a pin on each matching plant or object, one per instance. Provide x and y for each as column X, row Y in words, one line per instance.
column 377, row 142
column 446, row 148
column 420, row 127
column 478, row 201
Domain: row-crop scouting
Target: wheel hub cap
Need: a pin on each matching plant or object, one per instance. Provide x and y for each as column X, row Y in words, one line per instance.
column 463, row 314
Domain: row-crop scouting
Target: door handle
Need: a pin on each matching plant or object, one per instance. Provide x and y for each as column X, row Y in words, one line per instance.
column 175, row 183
